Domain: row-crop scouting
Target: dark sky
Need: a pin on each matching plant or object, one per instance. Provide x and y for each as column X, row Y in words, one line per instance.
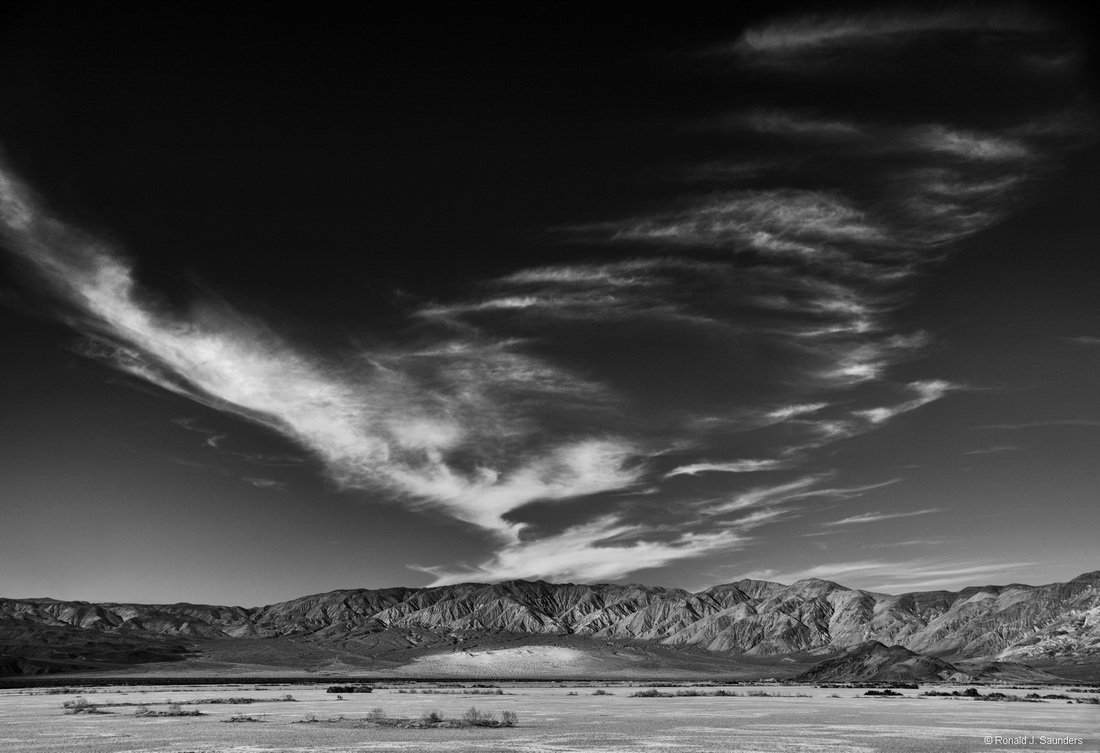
column 304, row 302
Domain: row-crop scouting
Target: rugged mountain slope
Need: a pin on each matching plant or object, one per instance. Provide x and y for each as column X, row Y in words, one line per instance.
column 1010, row 623
column 874, row 662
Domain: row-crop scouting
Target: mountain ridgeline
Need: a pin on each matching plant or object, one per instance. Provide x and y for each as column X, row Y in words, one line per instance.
column 754, row 620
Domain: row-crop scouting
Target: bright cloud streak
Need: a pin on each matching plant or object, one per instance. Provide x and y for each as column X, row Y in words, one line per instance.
column 373, row 423
column 790, row 411
column 875, row 517
column 927, row 392
column 587, row 552
column 736, row 466
column 764, row 495
column 798, row 34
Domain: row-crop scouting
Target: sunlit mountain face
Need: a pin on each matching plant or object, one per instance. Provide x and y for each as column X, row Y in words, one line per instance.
column 300, row 304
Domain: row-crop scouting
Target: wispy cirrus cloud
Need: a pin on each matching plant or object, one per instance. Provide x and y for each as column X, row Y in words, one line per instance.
column 927, row 392
column 797, row 124
column 387, row 419
column 970, row 145
column 601, row 549
column 801, row 34
column 791, row 411
column 875, row 517
column 781, row 221
column 267, row 483
column 734, row 466
column 804, row 487
column 994, row 450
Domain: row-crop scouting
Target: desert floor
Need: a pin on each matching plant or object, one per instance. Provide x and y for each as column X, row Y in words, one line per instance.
column 550, row 720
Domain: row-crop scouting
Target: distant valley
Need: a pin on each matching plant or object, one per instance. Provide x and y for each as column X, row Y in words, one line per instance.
column 813, row 630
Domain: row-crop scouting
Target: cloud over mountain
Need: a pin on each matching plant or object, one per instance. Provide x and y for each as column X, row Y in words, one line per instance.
column 763, row 284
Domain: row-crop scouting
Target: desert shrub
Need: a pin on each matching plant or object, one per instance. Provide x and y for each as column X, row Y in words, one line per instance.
column 288, row 697
column 243, row 718
column 477, row 718
column 351, row 689
column 174, row 709
column 601, row 691
column 431, row 717
column 464, row 691
column 508, row 719
column 692, row 692
column 238, row 700
column 81, row 705
column 376, row 714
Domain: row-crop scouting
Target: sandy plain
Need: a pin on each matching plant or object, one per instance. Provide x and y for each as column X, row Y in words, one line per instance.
column 550, row 721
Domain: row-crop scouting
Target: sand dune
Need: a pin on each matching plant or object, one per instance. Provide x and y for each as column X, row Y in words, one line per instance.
column 525, row 661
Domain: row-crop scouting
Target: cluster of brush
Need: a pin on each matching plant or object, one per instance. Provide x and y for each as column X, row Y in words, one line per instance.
column 430, row 719
column 998, row 696
column 691, row 693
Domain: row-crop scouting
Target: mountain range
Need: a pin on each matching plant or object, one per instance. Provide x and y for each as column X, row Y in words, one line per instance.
column 742, row 629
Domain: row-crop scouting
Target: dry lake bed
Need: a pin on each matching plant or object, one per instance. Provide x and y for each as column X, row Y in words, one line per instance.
column 552, row 718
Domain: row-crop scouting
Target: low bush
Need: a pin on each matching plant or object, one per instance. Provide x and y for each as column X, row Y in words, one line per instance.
column 81, row 705
column 464, row 691
column 174, row 709
column 693, row 693
column 435, row 719
column 994, row 696
column 475, row 717
column 350, row 689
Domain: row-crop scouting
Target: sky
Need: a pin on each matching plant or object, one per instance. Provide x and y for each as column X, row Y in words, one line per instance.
column 290, row 304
